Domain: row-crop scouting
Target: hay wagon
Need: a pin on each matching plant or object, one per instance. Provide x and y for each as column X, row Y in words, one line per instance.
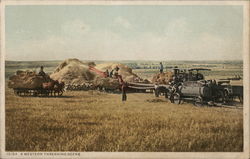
column 26, row 83
column 39, row 91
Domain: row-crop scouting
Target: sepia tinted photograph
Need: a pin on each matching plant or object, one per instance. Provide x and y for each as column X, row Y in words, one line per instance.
column 124, row 77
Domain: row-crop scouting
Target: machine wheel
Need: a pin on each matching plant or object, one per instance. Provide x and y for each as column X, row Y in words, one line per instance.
column 156, row 93
column 226, row 97
column 176, row 98
column 15, row 92
column 241, row 99
column 198, row 101
column 166, row 95
column 221, row 97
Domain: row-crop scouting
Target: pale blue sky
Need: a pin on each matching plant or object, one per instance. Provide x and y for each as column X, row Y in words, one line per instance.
column 124, row 32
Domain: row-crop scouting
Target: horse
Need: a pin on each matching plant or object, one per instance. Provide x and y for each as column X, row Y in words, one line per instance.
column 53, row 87
column 59, row 88
column 48, row 87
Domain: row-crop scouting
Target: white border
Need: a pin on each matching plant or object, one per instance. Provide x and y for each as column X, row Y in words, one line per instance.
column 2, row 80
column 246, row 73
column 229, row 155
column 124, row 2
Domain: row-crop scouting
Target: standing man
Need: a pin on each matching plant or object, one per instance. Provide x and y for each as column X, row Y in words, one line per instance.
column 41, row 72
column 116, row 72
column 123, row 86
column 161, row 67
column 111, row 73
column 107, row 73
column 44, row 75
column 124, row 89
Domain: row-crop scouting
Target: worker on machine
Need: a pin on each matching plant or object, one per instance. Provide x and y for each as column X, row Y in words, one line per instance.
column 190, row 76
column 115, row 75
column 161, row 67
column 107, row 73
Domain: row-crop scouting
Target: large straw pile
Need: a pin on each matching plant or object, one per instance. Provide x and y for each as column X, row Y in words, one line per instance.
column 106, row 83
column 124, row 71
column 26, row 79
column 163, row 78
column 75, row 72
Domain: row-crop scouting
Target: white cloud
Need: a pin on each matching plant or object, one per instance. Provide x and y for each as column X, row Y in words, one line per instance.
column 108, row 45
column 122, row 22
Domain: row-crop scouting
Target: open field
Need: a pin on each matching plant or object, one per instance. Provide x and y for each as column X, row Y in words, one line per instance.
column 96, row 121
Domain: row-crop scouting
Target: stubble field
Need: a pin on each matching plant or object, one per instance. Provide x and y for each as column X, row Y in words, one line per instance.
column 97, row 121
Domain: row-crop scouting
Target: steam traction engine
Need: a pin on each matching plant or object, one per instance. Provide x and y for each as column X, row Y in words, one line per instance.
column 199, row 92
column 191, row 86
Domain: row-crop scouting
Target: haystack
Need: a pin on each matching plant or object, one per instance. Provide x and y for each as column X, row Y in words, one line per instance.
column 163, row 78
column 77, row 73
column 26, row 79
column 107, row 83
column 73, row 71
column 125, row 71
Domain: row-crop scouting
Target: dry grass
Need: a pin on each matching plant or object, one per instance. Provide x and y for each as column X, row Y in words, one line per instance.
column 94, row 121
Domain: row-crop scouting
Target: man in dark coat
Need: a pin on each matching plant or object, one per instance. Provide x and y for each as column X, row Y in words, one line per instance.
column 161, row 67
column 41, row 72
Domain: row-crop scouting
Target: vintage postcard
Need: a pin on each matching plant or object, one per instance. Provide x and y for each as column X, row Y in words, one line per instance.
column 124, row 79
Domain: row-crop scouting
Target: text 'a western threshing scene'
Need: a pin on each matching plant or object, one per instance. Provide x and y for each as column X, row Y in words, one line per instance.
column 124, row 78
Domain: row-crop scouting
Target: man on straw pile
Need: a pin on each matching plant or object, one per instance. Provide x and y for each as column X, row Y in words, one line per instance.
column 115, row 75
column 107, row 73
column 41, row 72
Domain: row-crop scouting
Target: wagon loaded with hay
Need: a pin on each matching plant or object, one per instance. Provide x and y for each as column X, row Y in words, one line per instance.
column 28, row 83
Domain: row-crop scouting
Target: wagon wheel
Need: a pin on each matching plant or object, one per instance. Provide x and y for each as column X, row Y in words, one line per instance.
column 60, row 92
column 15, row 92
column 30, row 92
column 198, row 101
column 35, row 93
column 39, row 92
column 221, row 97
column 45, row 92
column 20, row 92
column 176, row 98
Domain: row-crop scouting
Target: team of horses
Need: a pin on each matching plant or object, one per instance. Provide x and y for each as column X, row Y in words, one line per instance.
column 53, row 88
